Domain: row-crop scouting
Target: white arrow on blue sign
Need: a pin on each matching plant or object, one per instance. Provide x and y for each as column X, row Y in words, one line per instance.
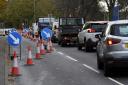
column 14, row 39
column 46, row 33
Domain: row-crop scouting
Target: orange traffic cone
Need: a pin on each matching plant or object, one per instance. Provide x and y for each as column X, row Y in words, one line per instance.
column 38, row 51
column 15, row 68
column 42, row 50
column 29, row 58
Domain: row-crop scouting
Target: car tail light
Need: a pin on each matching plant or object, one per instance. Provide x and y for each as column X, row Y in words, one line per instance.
column 112, row 41
column 90, row 30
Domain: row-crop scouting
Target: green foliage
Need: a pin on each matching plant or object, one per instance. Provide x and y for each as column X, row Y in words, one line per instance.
column 111, row 3
column 19, row 11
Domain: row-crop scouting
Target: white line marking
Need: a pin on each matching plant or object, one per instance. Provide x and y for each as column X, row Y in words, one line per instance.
column 71, row 58
column 61, row 53
column 91, row 68
column 115, row 81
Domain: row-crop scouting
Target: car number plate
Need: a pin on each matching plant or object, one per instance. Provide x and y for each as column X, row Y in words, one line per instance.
column 126, row 45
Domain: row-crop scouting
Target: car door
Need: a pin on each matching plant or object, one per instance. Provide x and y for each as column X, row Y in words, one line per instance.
column 81, row 34
column 101, row 44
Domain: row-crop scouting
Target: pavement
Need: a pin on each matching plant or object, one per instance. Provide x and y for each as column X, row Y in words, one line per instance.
column 64, row 66
column 3, row 62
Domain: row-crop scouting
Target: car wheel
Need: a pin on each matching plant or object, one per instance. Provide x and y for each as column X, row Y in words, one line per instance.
column 58, row 42
column 79, row 47
column 106, row 69
column 62, row 44
column 88, row 47
column 99, row 62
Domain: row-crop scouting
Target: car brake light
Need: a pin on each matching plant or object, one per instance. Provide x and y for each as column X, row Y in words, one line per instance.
column 90, row 30
column 112, row 41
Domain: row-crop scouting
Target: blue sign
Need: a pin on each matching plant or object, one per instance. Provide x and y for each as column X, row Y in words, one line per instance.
column 14, row 39
column 46, row 33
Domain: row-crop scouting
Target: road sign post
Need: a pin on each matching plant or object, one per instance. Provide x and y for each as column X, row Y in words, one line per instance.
column 14, row 39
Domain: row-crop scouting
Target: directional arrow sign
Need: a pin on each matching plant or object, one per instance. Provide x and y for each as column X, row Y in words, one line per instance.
column 14, row 38
column 46, row 33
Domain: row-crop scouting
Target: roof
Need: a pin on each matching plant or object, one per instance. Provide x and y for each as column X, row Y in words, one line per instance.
column 97, row 21
column 118, row 22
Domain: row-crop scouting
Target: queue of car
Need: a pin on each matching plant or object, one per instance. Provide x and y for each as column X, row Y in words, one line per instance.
column 110, row 39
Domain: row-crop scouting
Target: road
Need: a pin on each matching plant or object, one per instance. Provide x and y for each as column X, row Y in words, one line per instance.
column 64, row 66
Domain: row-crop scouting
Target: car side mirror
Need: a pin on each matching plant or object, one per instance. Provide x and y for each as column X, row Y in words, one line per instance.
column 98, row 36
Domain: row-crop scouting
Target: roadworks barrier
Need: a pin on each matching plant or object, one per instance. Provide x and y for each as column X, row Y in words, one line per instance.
column 29, row 57
column 42, row 49
column 15, row 69
column 38, row 56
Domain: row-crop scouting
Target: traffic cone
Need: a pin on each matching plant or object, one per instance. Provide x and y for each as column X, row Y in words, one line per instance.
column 38, row 51
column 29, row 58
column 15, row 68
column 42, row 50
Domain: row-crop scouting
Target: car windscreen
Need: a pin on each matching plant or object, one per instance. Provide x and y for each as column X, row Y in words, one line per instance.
column 119, row 30
column 71, row 21
column 98, row 27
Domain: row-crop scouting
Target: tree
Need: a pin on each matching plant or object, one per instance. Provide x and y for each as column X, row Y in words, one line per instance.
column 19, row 11
column 89, row 9
column 111, row 4
column 3, row 5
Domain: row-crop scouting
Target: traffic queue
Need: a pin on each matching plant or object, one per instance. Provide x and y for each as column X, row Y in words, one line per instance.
column 109, row 38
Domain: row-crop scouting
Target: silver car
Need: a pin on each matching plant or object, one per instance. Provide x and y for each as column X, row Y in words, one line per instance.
column 112, row 48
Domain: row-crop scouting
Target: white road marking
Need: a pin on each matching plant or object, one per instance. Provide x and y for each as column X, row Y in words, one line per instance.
column 67, row 56
column 60, row 53
column 119, row 83
column 71, row 58
column 91, row 68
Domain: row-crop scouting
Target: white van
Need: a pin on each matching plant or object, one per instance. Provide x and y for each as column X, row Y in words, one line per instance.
column 2, row 32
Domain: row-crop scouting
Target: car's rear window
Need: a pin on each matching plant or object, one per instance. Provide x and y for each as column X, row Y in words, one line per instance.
column 99, row 27
column 119, row 30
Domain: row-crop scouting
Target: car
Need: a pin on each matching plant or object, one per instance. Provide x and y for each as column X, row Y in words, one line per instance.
column 86, row 38
column 112, row 47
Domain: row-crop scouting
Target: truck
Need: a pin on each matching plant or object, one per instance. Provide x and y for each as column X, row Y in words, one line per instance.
column 45, row 22
column 69, row 27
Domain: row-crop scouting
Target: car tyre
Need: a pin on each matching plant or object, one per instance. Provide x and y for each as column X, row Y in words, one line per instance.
column 62, row 44
column 59, row 42
column 99, row 63
column 79, row 47
column 106, row 69
column 88, row 47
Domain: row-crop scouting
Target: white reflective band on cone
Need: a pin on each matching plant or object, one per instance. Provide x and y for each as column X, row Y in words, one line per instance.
column 30, row 54
column 15, row 63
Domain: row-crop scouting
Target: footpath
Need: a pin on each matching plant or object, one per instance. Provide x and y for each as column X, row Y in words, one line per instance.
column 3, row 61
